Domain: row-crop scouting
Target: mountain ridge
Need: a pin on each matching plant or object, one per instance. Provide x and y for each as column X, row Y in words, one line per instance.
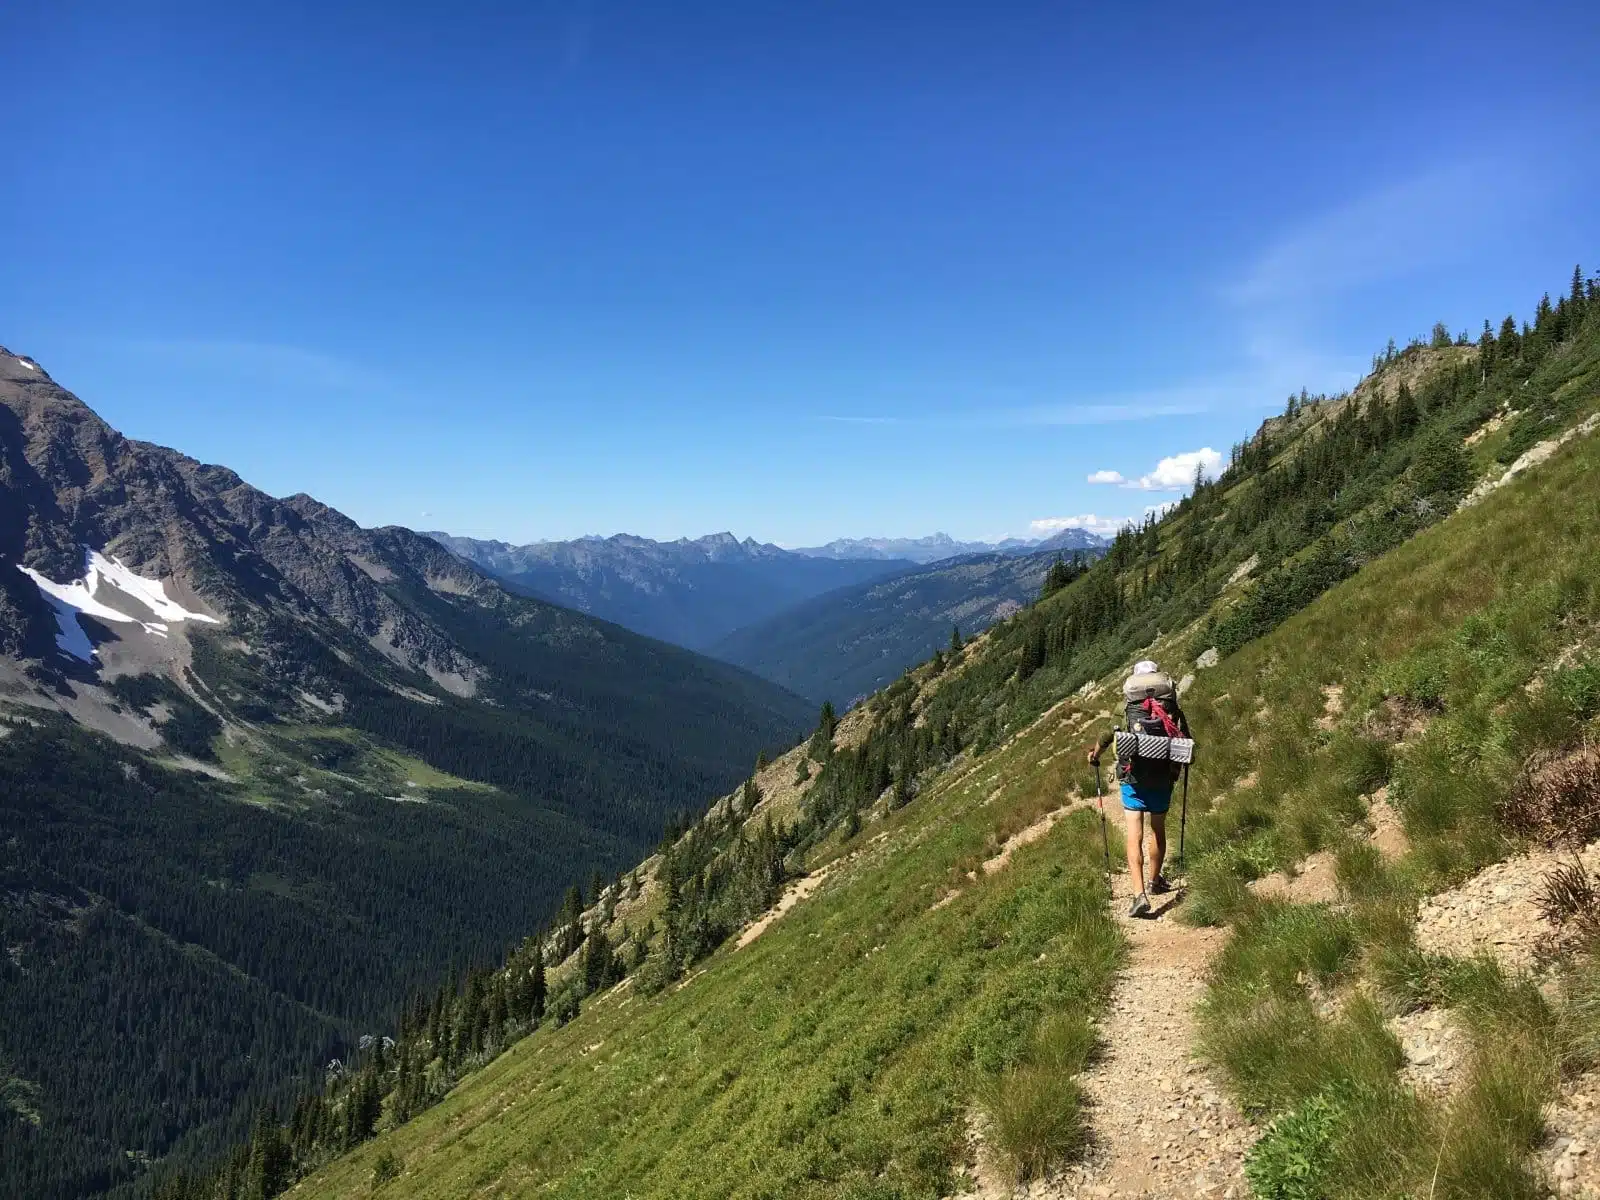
column 850, row 642
column 297, row 764
column 940, row 546
column 691, row 592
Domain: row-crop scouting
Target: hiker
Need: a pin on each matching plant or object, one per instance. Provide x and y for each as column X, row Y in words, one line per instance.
column 1150, row 704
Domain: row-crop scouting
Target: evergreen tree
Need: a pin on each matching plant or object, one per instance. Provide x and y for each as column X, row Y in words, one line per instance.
column 1406, row 414
column 571, row 922
column 597, row 962
column 1510, row 348
column 1056, row 578
column 1033, row 652
column 1441, row 336
column 537, row 988
column 822, row 740
column 269, row 1164
column 955, row 639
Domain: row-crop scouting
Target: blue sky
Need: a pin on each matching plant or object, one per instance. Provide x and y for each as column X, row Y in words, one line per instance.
column 796, row 270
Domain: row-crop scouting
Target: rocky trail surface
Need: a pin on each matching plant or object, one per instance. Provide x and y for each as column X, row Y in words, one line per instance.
column 1160, row 1128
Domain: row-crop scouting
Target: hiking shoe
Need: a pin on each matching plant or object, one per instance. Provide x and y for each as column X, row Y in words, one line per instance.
column 1141, row 906
column 1159, row 886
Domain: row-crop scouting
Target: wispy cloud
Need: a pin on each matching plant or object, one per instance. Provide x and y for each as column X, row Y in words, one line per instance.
column 577, row 37
column 1106, row 477
column 1390, row 231
column 265, row 361
column 1144, row 406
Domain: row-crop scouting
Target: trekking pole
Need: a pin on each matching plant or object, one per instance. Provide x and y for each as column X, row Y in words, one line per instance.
column 1105, row 838
column 1183, row 815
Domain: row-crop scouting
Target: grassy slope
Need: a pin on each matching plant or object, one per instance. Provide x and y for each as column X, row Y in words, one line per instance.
column 1454, row 629
column 838, row 1055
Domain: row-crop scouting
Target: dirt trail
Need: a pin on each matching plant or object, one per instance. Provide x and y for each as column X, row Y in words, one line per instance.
column 1002, row 858
column 1160, row 1129
column 797, row 892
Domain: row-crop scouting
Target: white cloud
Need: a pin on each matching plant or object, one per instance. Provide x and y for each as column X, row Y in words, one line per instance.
column 1090, row 523
column 1172, row 474
column 1176, row 471
column 1160, row 510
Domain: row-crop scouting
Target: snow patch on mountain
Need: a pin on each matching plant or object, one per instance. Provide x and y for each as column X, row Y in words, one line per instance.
column 104, row 578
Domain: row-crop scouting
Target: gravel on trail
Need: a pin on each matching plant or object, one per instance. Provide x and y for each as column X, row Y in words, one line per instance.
column 1160, row 1127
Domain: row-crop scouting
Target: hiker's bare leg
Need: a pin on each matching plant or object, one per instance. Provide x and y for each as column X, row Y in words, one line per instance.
column 1135, row 843
column 1158, row 830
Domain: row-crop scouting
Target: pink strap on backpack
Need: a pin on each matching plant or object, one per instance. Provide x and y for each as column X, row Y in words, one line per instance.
column 1154, row 708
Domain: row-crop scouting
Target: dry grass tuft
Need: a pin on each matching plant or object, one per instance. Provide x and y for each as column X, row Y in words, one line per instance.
column 1557, row 799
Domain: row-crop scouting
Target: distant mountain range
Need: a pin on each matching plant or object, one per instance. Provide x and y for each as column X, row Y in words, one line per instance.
column 689, row 592
column 338, row 760
column 940, row 546
column 697, row 592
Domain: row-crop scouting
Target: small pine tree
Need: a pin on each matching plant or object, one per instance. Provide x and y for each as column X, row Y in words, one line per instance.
column 270, row 1163
column 822, row 740
column 1056, row 578
column 955, row 639
column 1441, row 336
column 1406, row 414
column 537, row 988
column 1033, row 651
column 598, row 964
column 1510, row 345
column 902, row 791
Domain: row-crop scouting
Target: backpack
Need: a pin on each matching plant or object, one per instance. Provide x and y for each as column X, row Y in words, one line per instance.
column 1150, row 706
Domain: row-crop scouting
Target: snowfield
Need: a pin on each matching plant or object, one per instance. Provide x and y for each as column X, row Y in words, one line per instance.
column 103, row 578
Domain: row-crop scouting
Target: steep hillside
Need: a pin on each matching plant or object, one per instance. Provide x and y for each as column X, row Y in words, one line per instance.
column 850, row 642
column 689, row 592
column 297, row 765
column 887, row 966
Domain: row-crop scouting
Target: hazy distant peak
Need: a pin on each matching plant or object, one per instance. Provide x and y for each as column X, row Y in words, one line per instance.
column 938, row 546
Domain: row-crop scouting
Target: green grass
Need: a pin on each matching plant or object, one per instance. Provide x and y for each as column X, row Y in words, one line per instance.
column 1439, row 641
column 298, row 764
column 841, row 1053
